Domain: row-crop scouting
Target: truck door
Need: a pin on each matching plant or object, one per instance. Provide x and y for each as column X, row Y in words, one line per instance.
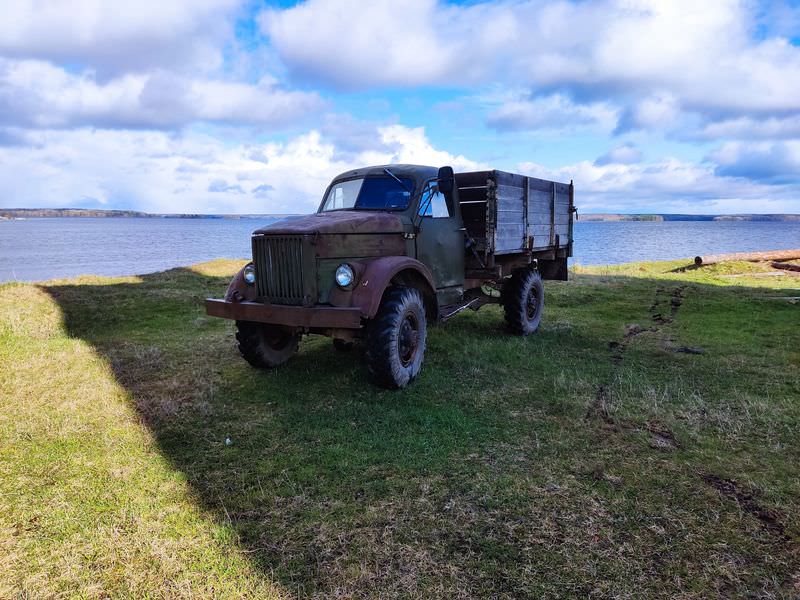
column 440, row 242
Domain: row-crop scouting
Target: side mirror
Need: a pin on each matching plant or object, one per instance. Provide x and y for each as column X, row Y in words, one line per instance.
column 446, row 180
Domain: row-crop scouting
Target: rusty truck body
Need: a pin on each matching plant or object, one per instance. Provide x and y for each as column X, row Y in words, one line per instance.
column 392, row 249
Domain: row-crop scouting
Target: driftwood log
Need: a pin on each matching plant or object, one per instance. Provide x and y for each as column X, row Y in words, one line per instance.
column 785, row 266
column 748, row 256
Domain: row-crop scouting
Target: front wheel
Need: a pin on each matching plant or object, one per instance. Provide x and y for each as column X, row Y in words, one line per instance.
column 266, row 346
column 523, row 300
column 396, row 338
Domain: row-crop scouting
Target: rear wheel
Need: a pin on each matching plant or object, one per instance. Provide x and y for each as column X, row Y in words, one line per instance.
column 266, row 346
column 523, row 301
column 396, row 338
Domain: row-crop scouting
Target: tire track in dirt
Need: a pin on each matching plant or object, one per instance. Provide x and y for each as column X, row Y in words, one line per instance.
column 771, row 520
column 663, row 311
column 730, row 489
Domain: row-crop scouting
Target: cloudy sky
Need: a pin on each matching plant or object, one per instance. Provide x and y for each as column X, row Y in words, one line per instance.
column 233, row 106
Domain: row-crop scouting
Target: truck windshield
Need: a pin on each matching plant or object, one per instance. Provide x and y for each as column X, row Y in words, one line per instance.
column 370, row 193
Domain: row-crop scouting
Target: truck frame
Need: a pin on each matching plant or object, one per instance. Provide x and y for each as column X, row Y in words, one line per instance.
column 393, row 248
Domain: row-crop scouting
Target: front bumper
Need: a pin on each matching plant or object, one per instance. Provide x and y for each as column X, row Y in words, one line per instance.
column 322, row 317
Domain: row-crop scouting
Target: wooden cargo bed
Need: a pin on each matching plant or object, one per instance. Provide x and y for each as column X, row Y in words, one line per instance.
column 505, row 213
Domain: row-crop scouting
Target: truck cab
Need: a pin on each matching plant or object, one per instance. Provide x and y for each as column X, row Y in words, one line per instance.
column 386, row 253
column 424, row 202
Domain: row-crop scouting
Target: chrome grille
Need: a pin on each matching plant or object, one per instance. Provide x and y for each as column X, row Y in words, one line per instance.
column 279, row 268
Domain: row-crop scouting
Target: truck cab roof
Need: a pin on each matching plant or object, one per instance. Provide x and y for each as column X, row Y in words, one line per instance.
column 416, row 172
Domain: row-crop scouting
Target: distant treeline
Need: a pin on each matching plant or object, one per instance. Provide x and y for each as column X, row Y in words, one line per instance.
column 30, row 213
column 668, row 217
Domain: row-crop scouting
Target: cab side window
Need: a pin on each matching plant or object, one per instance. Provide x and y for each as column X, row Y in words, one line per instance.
column 433, row 204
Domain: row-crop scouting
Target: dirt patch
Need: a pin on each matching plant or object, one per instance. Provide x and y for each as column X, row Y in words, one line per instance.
column 661, row 438
column 664, row 309
column 732, row 490
column 599, row 406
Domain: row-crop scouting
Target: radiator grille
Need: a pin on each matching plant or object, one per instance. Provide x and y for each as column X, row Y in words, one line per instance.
column 279, row 268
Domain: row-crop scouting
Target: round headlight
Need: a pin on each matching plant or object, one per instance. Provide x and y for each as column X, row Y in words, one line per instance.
column 344, row 275
column 250, row 274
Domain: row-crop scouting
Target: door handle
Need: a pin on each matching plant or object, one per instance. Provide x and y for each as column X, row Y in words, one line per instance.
column 461, row 229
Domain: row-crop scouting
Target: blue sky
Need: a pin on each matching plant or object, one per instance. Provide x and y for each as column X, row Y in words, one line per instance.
column 234, row 106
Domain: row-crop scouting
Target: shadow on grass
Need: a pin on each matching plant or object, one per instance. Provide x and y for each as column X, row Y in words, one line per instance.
column 452, row 487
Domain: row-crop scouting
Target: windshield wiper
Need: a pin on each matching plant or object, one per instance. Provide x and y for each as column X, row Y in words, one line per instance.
column 397, row 179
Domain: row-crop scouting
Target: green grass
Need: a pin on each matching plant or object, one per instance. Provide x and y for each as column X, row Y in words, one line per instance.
column 591, row 459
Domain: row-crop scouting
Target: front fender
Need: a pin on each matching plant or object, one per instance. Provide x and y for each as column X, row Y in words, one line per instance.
column 377, row 275
column 239, row 289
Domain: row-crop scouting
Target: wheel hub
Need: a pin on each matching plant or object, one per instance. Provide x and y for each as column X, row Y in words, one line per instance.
column 408, row 339
column 531, row 304
column 276, row 338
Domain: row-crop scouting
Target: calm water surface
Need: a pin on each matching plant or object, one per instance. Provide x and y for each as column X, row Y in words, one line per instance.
column 37, row 249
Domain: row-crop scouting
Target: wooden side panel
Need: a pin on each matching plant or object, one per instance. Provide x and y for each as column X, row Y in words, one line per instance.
column 562, row 215
column 510, row 228
column 549, row 213
column 508, row 213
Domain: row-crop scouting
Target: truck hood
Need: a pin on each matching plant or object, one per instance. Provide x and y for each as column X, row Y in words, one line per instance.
column 339, row 221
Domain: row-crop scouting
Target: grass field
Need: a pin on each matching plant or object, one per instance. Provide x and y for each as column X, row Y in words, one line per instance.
column 644, row 443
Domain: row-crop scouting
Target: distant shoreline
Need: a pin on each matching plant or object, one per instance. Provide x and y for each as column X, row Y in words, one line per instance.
column 36, row 213
column 49, row 213
column 778, row 218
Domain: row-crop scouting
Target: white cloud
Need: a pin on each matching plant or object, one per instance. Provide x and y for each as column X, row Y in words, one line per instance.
column 220, row 186
column 761, row 161
column 666, row 186
column 351, row 135
column 120, row 36
column 680, row 55
column 411, row 145
column 554, row 112
column 658, row 111
column 38, row 94
column 159, row 172
column 360, row 43
column 622, row 155
column 745, row 128
column 195, row 173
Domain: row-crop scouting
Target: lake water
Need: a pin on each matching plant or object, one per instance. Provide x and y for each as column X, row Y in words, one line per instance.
column 38, row 249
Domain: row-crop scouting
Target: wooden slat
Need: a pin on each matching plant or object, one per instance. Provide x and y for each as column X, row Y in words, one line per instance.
column 540, row 219
column 472, row 178
column 503, row 178
column 540, row 231
column 539, row 185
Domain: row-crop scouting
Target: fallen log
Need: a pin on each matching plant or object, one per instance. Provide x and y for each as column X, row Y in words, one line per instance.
column 785, row 266
column 748, row 256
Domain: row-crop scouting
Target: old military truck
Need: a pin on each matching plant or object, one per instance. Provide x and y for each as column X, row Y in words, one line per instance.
column 393, row 248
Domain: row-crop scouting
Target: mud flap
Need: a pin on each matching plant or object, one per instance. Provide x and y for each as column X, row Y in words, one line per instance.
column 554, row 269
